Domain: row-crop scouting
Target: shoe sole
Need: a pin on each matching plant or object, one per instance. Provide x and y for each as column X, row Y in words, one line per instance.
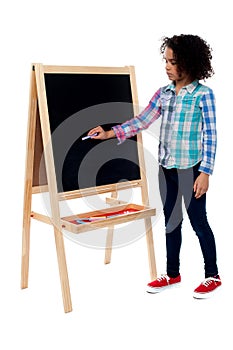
column 205, row 295
column 154, row 290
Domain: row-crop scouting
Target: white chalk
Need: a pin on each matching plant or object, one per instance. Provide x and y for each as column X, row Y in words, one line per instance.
column 89, row 136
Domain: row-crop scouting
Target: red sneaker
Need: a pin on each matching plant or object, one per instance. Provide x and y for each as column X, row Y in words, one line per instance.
column 207, row 288
column 163, row 282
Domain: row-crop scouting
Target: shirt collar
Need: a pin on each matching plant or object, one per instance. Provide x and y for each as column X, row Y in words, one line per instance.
column 190, row 87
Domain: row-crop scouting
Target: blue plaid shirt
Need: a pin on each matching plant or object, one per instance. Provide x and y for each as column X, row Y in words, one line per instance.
column 188, row 129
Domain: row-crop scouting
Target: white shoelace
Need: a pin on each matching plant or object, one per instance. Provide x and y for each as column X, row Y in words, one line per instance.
column 163, row 277
column 209, row 280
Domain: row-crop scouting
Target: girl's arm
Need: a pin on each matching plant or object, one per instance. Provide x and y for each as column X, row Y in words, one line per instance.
column 209, row 144
column 134, row 125
column 209, row 141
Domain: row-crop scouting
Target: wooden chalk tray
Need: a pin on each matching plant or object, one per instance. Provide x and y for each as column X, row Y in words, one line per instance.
column 106, row 217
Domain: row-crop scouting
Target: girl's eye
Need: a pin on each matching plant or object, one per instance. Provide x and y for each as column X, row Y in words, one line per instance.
column 172, row 62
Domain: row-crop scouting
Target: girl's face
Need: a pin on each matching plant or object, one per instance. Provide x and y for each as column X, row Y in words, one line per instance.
column 171, row 67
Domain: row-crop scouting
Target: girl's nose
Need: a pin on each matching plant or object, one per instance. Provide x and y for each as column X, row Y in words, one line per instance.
column 167, row 66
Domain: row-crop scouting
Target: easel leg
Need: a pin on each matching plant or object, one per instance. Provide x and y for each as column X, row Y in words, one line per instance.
column 150, row 248
column 25, row 250
column 63, row 270
column 108, row 249
column 31, row 132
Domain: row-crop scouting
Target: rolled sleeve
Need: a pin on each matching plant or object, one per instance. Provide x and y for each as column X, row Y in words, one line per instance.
column 119, row 132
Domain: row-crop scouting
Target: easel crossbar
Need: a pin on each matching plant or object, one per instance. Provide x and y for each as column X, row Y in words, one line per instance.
column 99, row 190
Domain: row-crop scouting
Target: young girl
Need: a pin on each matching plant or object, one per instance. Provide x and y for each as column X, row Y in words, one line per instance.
column 186, row 152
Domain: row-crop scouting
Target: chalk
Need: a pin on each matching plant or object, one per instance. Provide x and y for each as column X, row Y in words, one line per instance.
column 93, row 218
column 89, row 219
column 89, row 136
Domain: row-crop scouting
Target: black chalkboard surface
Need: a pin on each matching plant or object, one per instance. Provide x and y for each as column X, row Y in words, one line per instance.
column 78, row 102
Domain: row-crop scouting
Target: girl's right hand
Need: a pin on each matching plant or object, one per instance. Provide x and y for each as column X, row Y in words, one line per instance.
column 101, row 134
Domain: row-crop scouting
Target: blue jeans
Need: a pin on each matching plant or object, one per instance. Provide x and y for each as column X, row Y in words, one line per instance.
column 176, row 184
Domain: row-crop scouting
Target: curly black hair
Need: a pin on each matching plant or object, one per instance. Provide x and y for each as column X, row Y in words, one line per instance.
column 191, row 53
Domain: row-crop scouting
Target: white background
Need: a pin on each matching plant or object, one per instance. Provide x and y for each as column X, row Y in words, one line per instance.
column 110, row 307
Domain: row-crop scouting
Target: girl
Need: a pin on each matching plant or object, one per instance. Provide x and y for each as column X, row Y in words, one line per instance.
column 186, row 152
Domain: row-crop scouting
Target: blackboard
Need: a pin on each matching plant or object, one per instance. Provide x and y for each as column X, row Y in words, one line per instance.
column 76, row 103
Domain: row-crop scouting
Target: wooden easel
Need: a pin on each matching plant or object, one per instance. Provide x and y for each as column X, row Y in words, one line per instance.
column 39, row 140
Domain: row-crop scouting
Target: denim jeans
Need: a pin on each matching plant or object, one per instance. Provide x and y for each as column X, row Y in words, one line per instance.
column 176, row 184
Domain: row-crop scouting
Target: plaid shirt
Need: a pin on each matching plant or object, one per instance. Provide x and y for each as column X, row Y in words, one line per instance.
column 188, row 129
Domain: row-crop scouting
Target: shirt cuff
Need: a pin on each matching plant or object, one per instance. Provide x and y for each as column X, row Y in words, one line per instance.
column 206, row 168
column 119, row 132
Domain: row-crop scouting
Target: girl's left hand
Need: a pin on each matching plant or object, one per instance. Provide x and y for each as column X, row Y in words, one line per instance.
column 201, row 185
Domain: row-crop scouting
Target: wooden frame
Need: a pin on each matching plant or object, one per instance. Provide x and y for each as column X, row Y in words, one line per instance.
column 39, row 120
